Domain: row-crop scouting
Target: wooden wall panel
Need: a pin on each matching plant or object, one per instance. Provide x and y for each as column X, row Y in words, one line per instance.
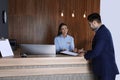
column 37, row 21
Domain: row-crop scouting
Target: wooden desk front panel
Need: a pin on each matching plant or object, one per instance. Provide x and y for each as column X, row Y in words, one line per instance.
column 45, row 67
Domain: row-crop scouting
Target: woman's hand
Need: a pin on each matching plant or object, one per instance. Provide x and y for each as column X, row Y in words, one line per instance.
column 75, row 50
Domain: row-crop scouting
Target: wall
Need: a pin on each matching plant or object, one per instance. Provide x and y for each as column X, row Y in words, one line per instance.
column 110, row 15
column 3, row 27
column 37, row 21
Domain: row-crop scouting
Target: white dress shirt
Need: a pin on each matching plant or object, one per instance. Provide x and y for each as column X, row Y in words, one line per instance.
column 64, row 43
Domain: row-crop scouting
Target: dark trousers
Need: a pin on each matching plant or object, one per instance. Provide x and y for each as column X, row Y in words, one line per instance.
column 108, row 77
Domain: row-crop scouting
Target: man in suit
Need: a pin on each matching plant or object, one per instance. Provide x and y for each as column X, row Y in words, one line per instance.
column 102, row 53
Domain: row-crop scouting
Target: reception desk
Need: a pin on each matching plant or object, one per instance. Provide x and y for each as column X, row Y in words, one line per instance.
column 60, row 67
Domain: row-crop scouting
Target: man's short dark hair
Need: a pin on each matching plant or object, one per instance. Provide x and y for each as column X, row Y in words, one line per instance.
column 94, row 16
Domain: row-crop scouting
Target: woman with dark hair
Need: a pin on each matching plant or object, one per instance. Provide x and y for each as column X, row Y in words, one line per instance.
column 63, row 41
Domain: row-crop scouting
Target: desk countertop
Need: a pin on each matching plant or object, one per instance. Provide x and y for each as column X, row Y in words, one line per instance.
column 38, row 65
column 17, row 55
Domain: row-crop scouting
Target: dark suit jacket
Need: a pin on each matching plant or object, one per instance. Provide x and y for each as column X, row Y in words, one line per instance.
column 102, row 53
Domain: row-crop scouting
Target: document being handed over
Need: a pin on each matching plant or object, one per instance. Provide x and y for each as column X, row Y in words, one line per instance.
column 69, row 53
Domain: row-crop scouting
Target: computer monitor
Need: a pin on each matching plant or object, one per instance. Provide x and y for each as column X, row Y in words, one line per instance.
column 38, row 49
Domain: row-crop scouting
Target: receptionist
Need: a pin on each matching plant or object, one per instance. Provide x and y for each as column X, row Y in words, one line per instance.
column 63, row 41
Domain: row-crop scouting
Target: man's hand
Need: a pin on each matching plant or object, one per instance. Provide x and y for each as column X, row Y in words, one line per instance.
column 81, row 52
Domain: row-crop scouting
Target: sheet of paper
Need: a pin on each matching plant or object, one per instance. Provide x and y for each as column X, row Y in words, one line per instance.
column 69, row 53
column 5, row 48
